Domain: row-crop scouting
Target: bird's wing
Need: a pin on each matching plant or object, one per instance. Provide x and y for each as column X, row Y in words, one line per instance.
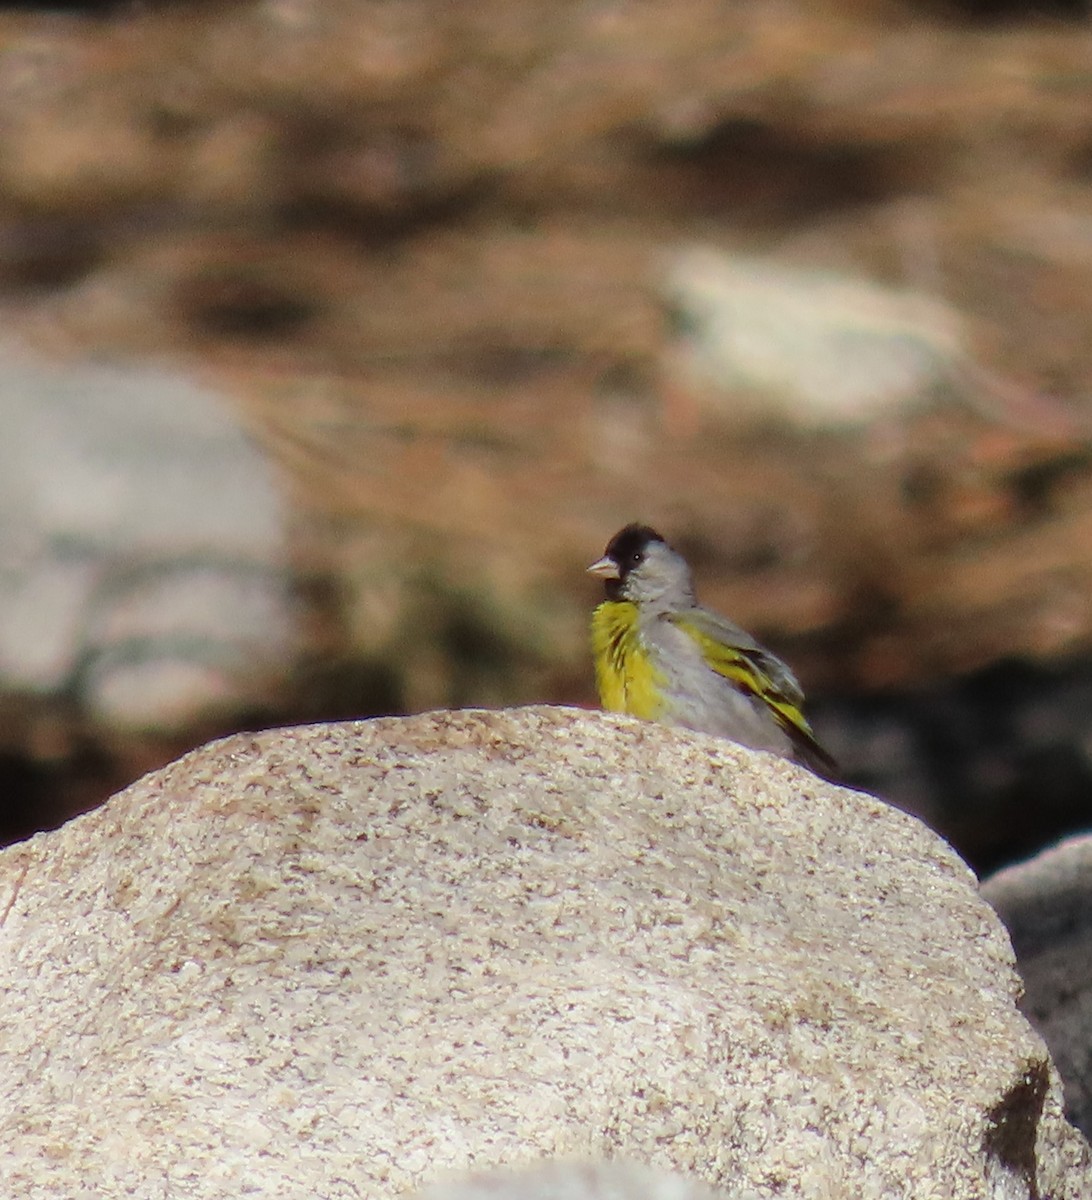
column 729, row 650
column 736, row 656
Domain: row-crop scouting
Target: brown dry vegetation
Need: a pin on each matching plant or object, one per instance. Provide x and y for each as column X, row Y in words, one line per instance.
column 419, row 243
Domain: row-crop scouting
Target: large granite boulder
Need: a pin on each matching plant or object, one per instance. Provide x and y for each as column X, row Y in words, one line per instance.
column 349, row 960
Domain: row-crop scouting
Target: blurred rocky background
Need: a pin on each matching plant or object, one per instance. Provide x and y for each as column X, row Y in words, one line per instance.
column 340, row 336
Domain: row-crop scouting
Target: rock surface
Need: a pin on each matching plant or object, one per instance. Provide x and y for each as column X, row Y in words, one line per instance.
column 820, row 350
column 142, row 545
column 1046, row 904
column 347, row 960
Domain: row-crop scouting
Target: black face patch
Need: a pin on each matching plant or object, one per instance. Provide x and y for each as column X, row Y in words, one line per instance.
column 628, row 547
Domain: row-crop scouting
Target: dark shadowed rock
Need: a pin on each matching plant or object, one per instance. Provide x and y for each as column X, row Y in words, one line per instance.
column 1046, row 904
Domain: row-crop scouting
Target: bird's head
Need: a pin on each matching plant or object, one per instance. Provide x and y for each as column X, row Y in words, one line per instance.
column 641, row 567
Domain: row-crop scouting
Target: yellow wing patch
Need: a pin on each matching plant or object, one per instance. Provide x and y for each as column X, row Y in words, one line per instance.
column 745, row 670
column 627, row 680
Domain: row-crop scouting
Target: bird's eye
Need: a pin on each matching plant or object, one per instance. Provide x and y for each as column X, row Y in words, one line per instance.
column 637, row 557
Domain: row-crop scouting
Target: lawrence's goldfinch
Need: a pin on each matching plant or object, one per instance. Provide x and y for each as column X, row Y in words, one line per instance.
column 660, row 655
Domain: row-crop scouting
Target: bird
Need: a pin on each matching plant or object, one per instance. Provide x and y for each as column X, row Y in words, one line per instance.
column 662, row 656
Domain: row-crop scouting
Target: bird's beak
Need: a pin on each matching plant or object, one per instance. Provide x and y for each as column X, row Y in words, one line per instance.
column 605, row 568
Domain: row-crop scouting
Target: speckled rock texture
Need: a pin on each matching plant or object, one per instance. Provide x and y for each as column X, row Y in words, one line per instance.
column 345, row 961
column 1046, row 903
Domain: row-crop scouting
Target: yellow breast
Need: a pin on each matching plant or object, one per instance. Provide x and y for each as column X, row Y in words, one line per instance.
column 628, row 681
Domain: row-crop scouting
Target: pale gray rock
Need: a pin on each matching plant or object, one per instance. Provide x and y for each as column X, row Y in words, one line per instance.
column 350, row 960
column 1046, row 903
column 760, row 339
column 142, row 547
column 575, row 1181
